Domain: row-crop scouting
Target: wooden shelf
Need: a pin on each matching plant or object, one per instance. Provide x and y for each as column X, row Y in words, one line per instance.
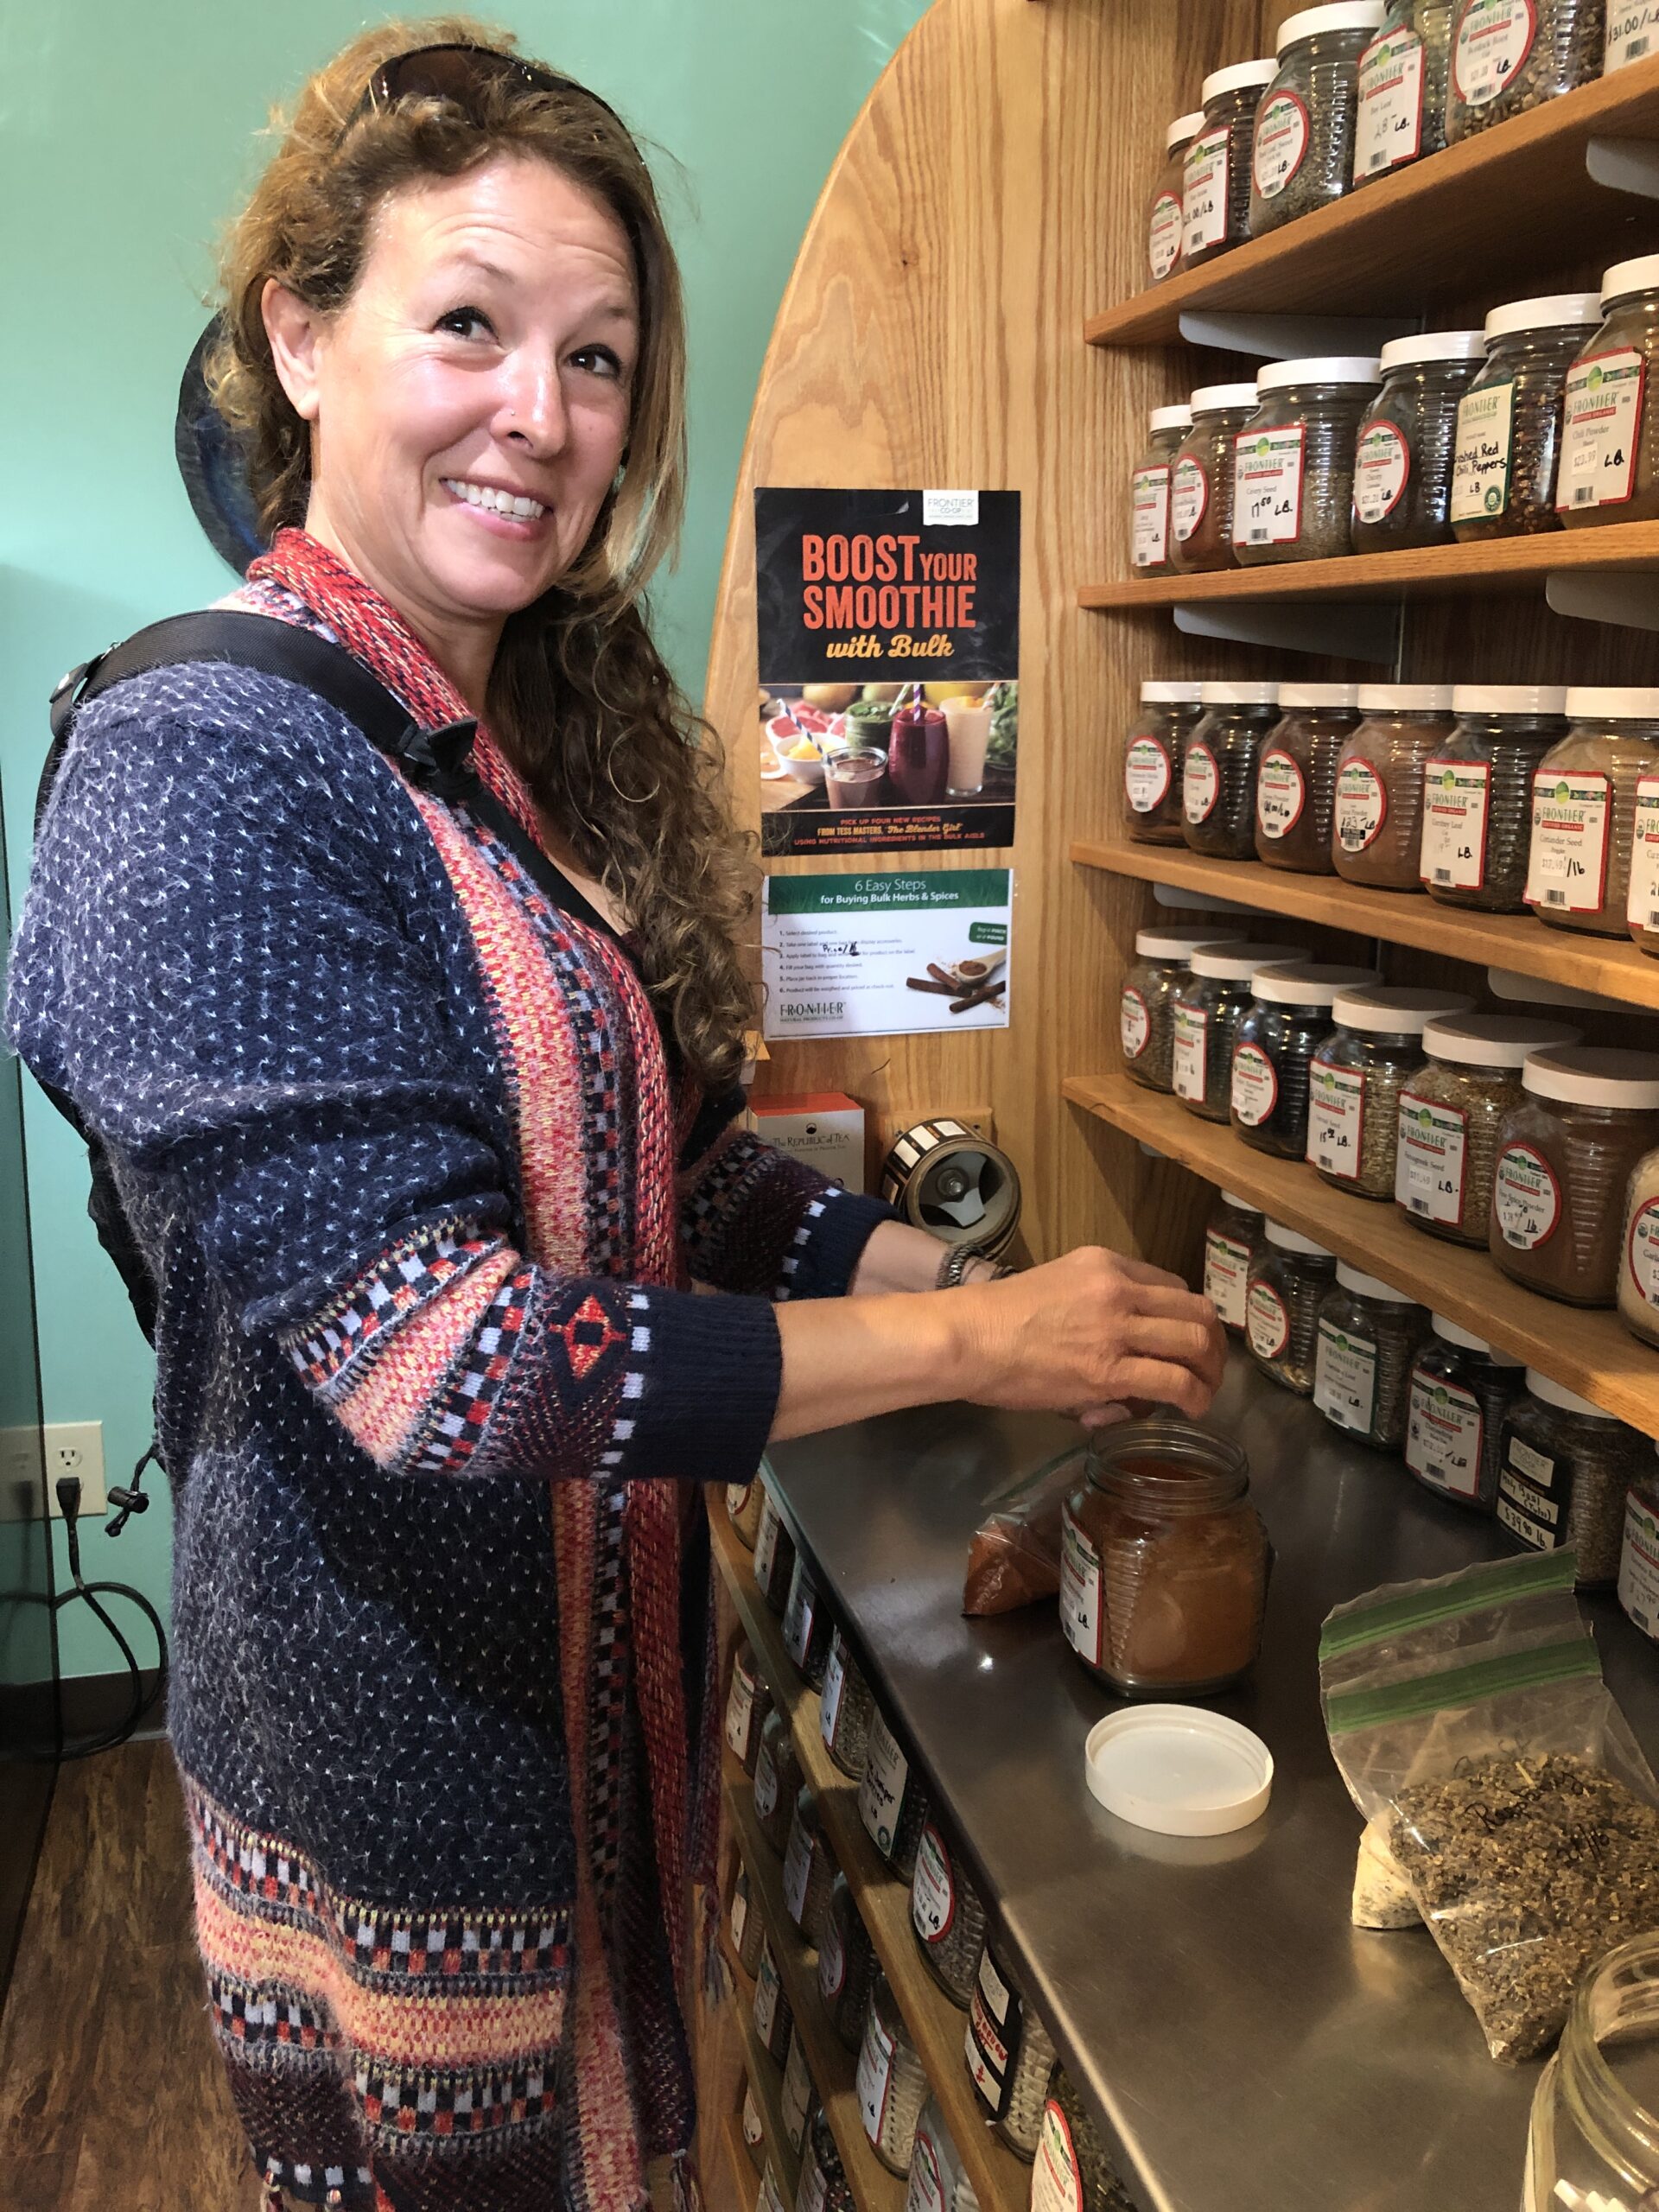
column 1502, row 204
column 746, row 2183
column 764, row 2071
column 1590, row 1352
column 1612, row 966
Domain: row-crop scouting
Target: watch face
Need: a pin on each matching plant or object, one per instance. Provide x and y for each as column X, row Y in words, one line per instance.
column 210, row 461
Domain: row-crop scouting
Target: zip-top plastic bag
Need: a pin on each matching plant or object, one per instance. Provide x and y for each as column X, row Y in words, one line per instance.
column 1014, row 1559
column 1502, row 1787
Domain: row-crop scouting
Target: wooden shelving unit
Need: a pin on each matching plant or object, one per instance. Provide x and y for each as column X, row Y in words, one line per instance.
column 766, row 2076
column 746, row 2183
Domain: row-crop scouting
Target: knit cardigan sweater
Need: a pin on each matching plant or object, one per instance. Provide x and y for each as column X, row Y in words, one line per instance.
column 383, row 1120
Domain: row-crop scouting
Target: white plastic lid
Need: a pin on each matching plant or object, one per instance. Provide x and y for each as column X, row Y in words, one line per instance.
column 1292, row 1240
column 1183, row 131
column 1343, row 15
column 1174, row 944
column 1557, row 1394
column 1432, row 346
column 1594, row 1075
column 1406, row 698
column 1395, row 1012
column 1624, row 278
column 1239, row 694
column 1236, row 964
column 1364, row 1286
column 1494, row 1040
column 1237, row 77
column 1321, row 368
column 1612, row 703
column 1509, row 699
column 1179, row 1769
column 1309, row 983
column 1212, row 398
column 1238, row 1203
column 1550, row 311
column 1470, row 1341
column 1172, row 418
column 1161, row 692
column 1318, row 694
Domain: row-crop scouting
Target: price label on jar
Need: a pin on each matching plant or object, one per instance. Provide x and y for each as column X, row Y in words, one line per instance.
column 1204, row 193
column 1190, row 1053
column 1526, row 1198
column 1226, row 1272
column 1632, row 32
column 832, row 1961
column 933, row 1894
column 1148, row 772
column 993, row 2036
column 1254, row 1085
column 771, row 2198
column 1134, row 1024
column 1080, row 1609
column 1335, row 1120
column 798, row 1618
column 1493, row 41
column 1382, row 470
column 1362, row 806
column 1390, row 126
column 1164, row 235
column 797, row 2093
column 1534, row 1494
column 1200, row 782
column 882, row 1792
column 768, row 1989
column 1480, row 463
column 798, row 1871
column 1281, row 794
column 1344, row 1378
column 740, row 1915
column 1455, row 796
column 1566, row 862
column 815, row 2188
column 1189, row 498
column 1428, row 1165
column 1642, row 908
column 874, row 2076
column 1281, row 144
column 1267, row 1322
column 830, row 1696
column 740, row 1712
column 1151, row 517
column 1444, row 1435
column 1056, row 2176
column 765, row 1784
column 737, row 1499
column 926, row 2192
column 1268, row 485
column 766, row 1544
column 1601, row 421
column 1642, row 1251
column 1638, row 1566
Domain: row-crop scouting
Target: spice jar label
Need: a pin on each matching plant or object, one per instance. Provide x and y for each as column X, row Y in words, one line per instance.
column 1280, row 148
column 798, row 1621
column 1444, row 1432
column 1267, row 1321
column 1638, row 1566
column 1268, row 485
column 1226, row 1272
column 1567, row 862
column 1455, row 794
column 1134, row 1024
column 1281, row 794
column 766, row 1996
column 882, row 1789
column 752, row 2132
column 993, row 2032
column 1335, row 1120
column 1149, row 772
column 1480, row 465
column 740, row 1915
column 1055, row 2176
column 926, row 2192
column 1429, row 1164
column 1381, row 466
column 1526, row 1198
column 797, row 2093
column 874, row 2076
column 1164, row 235
column 1642, row 1251
column 737, row 1498
column 1601, row 422
column 815, row 2189
column 765, row 1784
column 797, row 1871
column 771, row 2197
column 1204, row 193
column 1200, row 782
column 1344, row 1378
column 765, row 1545
column 1534, row 1494
column 1150, row 508
column 1362, row 806
column 830, row 1696
column 1494, row 39
column 1632, row 33
column 739, row 1711
column 1389, row 128
column 1188, row 1056
column 1254, row 1085
column 1189, row 500
column 1641, row 909
column 832, row 1961
column 1080, row 1607
column 932, row 1895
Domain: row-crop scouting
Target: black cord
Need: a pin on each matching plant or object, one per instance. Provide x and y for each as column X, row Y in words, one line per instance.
column 68, row 1489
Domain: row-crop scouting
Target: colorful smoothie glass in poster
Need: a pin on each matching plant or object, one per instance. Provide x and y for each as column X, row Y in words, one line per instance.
column 888, row 712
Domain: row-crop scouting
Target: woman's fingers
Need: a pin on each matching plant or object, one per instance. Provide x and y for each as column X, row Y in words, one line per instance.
column 1167, row 1383
column 1191, row 1343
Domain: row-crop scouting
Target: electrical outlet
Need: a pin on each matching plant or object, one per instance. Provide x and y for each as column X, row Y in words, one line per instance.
column 72, row 1447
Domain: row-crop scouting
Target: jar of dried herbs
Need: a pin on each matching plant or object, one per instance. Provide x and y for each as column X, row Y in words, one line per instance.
column 1461, row 1388
column 824, row 2186
column 1209, row 1002
column 1632, row 33
column 1566, row 1469
column 1201, row 483
column 946, row 1915
column 891, row 2086
column 1355, row 1080
column 1293, row 461
column 1073, row 2169
column 1609, row 429
column 844, row 1708
column 1584, row 799
column 1232, row 1236
column 1146, row 1006
column 1296, row 783
column 1510, row 56
column 777, row 1780
column 1218, row 767
column 1369, row 1334
column 774, row 1553
column 807, row 1624
column 846, row 1965
column 891, row 1798
column 1452, row 1111
column 1164, row 218
column 1150, row 491
column 1402, row 462
column 1639, row 1558
column 1152, row 760
column 743, row 1510
column 1287, row 1020
column 747, row 1703
column 1478, row 793
column 1403, row 76
column 1302, row 157
column 810, row 1870
column 1508, row 436
column 1009, row 2052
column 772, row 2016
column 1564, row 1157
column 747, row 1929
column 1377, row 834
column 1215, row 181
column 1289, row 1275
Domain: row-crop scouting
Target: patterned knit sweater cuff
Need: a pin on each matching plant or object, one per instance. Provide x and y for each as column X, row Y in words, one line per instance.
column 828, row 1244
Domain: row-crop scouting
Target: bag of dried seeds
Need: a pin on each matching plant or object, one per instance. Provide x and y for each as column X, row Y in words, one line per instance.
column 1501, row 1784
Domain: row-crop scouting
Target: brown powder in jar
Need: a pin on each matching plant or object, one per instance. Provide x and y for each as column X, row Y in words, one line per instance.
column 1377, row 836
column 1181, row 1593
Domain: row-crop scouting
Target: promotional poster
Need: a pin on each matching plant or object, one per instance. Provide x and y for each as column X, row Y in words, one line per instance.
column 888, row 956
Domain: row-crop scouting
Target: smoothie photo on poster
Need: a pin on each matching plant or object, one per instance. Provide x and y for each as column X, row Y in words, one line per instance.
column 898, row 749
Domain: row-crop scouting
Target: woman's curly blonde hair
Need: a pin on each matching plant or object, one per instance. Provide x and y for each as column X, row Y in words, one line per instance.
column 580, row 700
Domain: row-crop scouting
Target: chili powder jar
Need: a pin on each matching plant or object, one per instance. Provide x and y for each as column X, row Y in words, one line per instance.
column 1564, row 1158
column 1377, row 838
column 1609, row 432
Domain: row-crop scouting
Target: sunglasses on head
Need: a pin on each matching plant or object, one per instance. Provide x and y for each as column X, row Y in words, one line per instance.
column 463, row 74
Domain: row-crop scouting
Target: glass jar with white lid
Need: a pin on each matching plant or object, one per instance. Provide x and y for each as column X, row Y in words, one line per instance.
column 1402, row 461
column 1564, row 1158
column 1215, row 181
column 1510, row 57
column 1610, row 430
column 1287, row 1020
column 1450, row 1113
column 1584, row 800
column 1146, row 1006
column 1296, row 782
column 1509, row 437
column 1478, row 793
column 1201, row 484
column 1293, row 461
column 1219, row 766
column 1369, row 1334
column 1302, row 155
column 1402, row 76
column 1232, row 1236
column 1289, row 1275
column 1356, row 1077
column 1149, row 488
column 1461, row 1388
column 1152, row 747
column 1377, row 832
column 1164, row 218
column 1210, row 1001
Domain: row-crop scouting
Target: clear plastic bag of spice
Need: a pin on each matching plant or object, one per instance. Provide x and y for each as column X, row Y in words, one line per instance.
column 1014, row 1559
column 1468, row 1718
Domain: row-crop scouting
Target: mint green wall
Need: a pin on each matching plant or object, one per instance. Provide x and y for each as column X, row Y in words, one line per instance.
column 126, row 135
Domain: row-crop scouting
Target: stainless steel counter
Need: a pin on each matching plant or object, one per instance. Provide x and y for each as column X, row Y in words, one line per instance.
column 1248, row 2050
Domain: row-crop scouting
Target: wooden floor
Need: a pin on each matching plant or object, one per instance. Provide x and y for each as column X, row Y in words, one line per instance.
column 111, row 2097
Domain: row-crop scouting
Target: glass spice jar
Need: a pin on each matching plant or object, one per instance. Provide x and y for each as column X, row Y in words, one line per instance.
column 1565, row 1472
column 1477, row 794
column 807, row 1624
column 1232, row 1236
column 1402, row 78
column 891, row 1798
column 774, row 1553
column 1461, row 1388
column 747, row 1703
column 772, row 2018
column 1164, row 217
column 1293, row 461
column 776, row 1779
column 1073, row 2170
column 1565, row 1156
column 844, row 1708
column 1451, row 1112
column 1508, row 435
column 748, row 1930
column 1150, row 491
column 1296, row 782
column 771, row 2197
column 1369, row 1334
column 743, row 1510
column 1510, row 56
column 1201, row 482
column 824, row 2186
column 946, row 1915
column 754, row 2133
column 1584, row 799
column 1638, row 1251
column 1152, row 758
column 1219, row 764
column 939, row 2180
column 1376, row 834
column 1402, row 458
column 1215, row 181
column 1642, row 892
column 1209, row 1003
column 1287, row 1020
column 1289, row 1275
column 798, row 2096
column 1610, row 431
column 846, row 1966
column 1009, row 2052
column 1163, row 1561
column 1302, row 155
column 810, row 1870
column 891, row 2086
column 1146, row 1006
column 1593, row 2141
column 1355, row 1080
column 1639, row 1558
column 1632, row 33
